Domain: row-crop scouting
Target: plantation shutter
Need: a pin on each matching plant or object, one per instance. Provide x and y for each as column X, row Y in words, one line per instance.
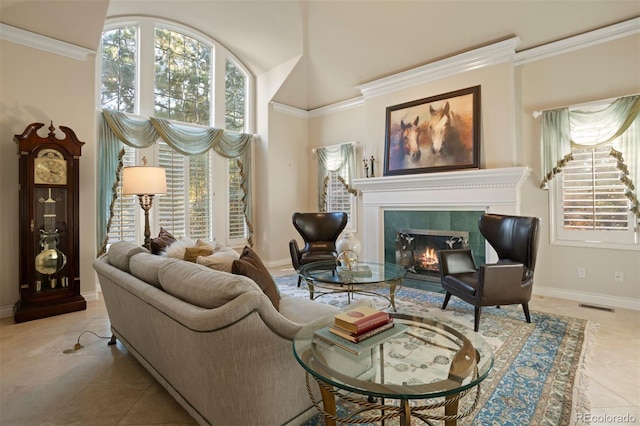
column 338, row 198
column 123, row 223
column 200, row 197
column 171, row 206
column 594, row 197
column 237, row 223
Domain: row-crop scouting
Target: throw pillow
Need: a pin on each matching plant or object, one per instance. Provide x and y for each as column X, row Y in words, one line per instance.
column 212, row 245
column 221, row 260
column 192, row 253
column 252, row 267
column 176, row 250
column 164, row 239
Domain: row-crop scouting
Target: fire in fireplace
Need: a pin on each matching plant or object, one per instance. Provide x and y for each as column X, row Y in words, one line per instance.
column 417, row 250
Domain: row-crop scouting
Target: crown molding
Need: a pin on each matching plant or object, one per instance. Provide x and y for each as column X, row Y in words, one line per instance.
column 581, row 41
column 48, row 44
column 339, row 106
column 489, row 55
column 492, row 54
column 286, row 109
column 318, row 112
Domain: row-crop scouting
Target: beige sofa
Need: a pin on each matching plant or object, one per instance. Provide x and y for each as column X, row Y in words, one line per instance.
column 212, row 339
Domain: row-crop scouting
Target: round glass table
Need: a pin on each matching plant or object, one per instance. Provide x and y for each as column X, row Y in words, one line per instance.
column 363, row 278
column 426, row 358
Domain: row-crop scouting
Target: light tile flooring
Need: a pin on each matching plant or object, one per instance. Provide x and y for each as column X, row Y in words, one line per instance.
column 102, row 384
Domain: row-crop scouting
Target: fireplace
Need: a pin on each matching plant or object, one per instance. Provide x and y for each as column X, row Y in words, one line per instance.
column 487, row 190
column 417, row 250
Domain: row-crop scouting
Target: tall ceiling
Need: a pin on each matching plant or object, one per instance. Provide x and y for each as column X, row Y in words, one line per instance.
column 338, row 44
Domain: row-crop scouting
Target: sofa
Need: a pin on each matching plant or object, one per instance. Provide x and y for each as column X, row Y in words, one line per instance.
column 213, row 339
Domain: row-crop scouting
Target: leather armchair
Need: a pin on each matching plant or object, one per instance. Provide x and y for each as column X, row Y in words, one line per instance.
column 319, row 232
column 507, row 282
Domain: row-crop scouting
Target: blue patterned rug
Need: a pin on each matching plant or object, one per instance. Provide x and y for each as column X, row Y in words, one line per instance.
column 538, row 374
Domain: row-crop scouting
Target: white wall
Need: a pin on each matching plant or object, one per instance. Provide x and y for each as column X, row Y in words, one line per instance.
column 510, row 137
column 602, row 71
column 497, row 109
column 288, row 174
column 43, row 87
column 497, row 115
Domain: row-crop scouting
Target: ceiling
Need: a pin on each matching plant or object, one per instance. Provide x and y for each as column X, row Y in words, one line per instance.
column 338, row 45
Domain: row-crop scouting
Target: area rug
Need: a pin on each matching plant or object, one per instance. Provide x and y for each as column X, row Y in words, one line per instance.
column 538, row 374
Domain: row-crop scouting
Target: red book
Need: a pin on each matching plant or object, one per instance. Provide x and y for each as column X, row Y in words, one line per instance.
column 356, row 338
column 360, row 319
column 366, row 329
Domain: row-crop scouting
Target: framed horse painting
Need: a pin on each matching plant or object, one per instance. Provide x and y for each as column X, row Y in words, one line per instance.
column 434, row 134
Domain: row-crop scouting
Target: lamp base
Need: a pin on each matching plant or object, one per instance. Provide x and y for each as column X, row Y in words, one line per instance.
column 146, row 201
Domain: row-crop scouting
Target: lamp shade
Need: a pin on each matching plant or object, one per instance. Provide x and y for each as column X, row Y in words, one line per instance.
column 143, row 180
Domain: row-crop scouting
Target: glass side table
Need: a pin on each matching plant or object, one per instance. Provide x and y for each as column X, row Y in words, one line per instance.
column 332, row 279
column 431, row 358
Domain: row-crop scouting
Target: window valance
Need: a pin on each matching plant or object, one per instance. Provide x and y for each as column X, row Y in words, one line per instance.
column 117, row 129
column 617, row 124
column 341, row 159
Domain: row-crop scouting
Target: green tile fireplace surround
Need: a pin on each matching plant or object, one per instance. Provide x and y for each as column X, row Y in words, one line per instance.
column 447, row 201
column 433, row 220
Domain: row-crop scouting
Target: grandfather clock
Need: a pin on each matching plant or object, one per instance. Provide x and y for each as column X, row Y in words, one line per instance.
column 49, row 239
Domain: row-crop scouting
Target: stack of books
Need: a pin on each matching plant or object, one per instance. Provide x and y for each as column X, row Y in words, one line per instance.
column 358, row 324
column 355, row 271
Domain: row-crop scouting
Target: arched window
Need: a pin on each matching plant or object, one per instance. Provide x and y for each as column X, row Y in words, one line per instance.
column 153, row 68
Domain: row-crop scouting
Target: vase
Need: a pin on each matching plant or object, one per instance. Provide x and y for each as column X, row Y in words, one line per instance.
column 349, row 242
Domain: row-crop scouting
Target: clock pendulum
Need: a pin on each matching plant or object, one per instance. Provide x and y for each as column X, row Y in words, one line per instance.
column 50, row 260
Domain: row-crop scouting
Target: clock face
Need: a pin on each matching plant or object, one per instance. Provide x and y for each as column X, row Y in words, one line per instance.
column 50, row 168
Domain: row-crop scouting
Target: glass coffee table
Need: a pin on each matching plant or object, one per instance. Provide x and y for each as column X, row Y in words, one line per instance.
column 331, row 278
column 431, row 358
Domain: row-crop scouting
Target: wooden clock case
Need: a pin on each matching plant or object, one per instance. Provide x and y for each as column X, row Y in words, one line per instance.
column 49, row 224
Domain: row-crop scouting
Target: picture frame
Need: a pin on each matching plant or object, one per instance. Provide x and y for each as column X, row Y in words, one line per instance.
column 434, row 134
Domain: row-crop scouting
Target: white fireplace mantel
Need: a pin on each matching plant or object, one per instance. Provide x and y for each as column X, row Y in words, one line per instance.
column 490, row 190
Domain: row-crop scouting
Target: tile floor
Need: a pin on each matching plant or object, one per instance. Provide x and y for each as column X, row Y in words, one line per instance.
column 101, row 384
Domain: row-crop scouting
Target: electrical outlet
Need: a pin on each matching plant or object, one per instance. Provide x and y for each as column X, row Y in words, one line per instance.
column 618, row 277
column 582, row 272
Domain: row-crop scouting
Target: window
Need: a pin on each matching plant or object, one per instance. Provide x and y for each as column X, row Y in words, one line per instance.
column 338, row 197
column 180, row 65
column 123, row 225
column 590, row 199
column 119, row 69
column 234, row 118
column 237, row 224
column 335, row 172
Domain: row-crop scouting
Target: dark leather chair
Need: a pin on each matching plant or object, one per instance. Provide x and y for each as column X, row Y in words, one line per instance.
column 320, row 232
column 507, row 282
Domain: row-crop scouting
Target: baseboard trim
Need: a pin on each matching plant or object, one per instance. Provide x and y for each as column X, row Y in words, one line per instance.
column 93, row 295
column 7, row 311
column 279, row 263
column 590, row 298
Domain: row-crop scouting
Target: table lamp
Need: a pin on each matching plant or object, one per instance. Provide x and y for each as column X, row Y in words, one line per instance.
column 145, row 182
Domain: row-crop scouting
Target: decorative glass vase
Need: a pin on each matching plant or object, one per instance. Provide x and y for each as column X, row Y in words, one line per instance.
column 349, row 242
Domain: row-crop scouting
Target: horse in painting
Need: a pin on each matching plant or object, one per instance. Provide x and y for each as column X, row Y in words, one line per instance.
column 449, row 133
column 411, row 139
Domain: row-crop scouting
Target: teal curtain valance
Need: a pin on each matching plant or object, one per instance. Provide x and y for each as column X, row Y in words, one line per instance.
column 118, row 129
column 617, row 124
